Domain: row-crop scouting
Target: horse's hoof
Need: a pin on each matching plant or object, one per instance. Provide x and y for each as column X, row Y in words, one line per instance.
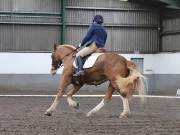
column 123, row 116
column 48, row 114
column 88, row 114
column 77, row 106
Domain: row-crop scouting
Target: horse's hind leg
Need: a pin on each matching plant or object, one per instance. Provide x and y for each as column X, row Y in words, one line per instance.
column 126, row 109
column 69, row 96
column 105, row 100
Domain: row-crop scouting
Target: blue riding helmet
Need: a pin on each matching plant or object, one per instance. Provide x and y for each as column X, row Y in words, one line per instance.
column 98, row 19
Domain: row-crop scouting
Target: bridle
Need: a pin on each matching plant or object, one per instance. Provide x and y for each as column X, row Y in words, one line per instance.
column 70, row 53
column 60, row 63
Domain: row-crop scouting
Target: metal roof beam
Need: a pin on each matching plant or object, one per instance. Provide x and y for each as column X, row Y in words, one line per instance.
column 172, row 3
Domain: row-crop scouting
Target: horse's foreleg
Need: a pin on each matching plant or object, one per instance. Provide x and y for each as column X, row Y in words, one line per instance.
column 53, row 105
column 105, row 100
column 126, row 109
column 69, row 96
column 65, row 81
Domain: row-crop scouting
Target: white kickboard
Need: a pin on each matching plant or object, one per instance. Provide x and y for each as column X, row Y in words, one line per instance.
column 90, row 61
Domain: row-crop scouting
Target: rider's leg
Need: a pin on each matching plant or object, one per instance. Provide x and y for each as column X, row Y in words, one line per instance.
column 87, row 50
column 82, row 53
column 79, row 63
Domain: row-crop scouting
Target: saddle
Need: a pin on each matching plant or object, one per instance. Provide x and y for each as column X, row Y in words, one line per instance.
column 89, row 60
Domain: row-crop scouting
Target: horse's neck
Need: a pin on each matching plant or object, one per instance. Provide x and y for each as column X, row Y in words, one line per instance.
column 71, row 47
column 68, row 61
column 67, row 56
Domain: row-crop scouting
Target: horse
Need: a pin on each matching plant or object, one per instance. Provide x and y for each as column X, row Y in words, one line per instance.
column 123, row 76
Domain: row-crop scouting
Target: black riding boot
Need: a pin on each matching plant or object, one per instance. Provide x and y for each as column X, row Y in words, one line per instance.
column 79, row 63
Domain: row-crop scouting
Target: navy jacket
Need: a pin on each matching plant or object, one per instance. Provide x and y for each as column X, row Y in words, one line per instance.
column 97, row 34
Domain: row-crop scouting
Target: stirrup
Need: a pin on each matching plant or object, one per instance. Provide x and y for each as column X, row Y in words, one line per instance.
column 79, row 73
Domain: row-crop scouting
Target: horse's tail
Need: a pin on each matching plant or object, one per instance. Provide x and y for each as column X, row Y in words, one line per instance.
column 134, row 82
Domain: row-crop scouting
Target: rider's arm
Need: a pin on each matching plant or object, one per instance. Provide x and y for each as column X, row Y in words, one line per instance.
column 88, row 35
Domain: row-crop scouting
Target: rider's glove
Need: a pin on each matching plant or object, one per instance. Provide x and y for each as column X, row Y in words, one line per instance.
column 80, row 45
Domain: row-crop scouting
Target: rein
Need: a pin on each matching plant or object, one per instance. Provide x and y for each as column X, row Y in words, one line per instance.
column 60, row 65
column 70, row 52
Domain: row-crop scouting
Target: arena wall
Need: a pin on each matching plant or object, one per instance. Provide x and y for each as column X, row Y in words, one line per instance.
column 30, row 71
column 170, row 35
column 34, row 25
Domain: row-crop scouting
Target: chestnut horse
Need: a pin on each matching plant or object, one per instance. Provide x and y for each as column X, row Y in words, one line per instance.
column 123, row 77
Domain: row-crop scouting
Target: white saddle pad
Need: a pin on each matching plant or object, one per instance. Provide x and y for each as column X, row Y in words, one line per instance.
column 90, row 60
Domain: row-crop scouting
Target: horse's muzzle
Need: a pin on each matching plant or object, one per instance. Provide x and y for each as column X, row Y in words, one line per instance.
column 53, row 71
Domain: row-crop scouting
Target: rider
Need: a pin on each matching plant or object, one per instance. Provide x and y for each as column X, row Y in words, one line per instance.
column 94, row 39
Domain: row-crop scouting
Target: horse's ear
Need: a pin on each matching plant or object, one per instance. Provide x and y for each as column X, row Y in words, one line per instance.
column 55, row 46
